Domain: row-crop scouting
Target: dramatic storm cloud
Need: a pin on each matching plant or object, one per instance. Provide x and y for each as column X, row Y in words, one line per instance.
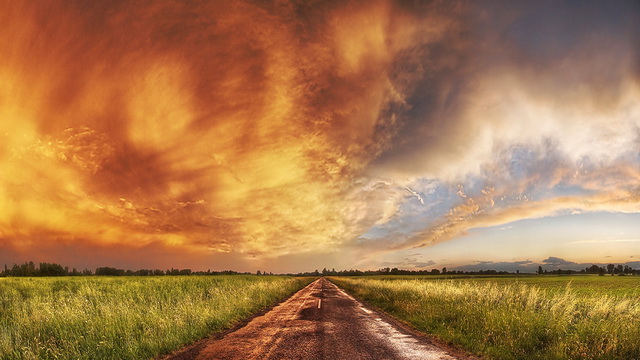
column 285, row 134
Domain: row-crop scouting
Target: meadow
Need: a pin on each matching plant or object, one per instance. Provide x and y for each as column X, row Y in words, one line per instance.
column 526, row 317
column 126, row 317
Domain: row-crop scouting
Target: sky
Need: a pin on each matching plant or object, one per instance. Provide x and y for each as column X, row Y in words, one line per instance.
column 290, row 136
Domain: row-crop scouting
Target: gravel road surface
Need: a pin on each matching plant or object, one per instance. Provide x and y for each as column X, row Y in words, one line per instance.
column 320, row 321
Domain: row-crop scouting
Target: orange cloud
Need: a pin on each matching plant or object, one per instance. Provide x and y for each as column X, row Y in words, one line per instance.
column 221, row 127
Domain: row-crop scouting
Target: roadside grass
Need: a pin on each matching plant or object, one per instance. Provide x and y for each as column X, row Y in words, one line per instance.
column 623, row 286
column 126, row 317
column 544, row 317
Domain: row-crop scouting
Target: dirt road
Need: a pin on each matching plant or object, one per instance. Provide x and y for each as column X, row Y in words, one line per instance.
column 320, row 321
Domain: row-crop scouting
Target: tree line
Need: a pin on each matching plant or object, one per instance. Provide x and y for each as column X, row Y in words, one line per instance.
column 593, row 269
column 610, row 269
column 397, row 271
column 53, row 269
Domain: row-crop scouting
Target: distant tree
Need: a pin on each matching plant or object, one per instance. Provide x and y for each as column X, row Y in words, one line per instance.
column 258, row 272
column 444, row 270
column 593, row 269
column 51, row 269
column 540, row 270
column 30, row 269
column 16, row 270
column 610, row 268
column 109, row 271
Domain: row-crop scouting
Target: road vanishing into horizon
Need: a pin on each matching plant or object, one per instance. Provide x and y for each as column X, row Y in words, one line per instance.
column 319, row 322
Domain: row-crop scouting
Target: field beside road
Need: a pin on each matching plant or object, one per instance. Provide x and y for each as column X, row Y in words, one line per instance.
column 319, row 322
column 526, row 317
column 126, row 317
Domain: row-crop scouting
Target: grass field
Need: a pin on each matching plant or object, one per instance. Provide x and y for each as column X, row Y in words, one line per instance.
column 527, row 317
column 126, row 317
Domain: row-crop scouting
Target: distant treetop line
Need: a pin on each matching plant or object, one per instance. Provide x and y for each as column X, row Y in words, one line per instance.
column 593, row 269
column 52, row 269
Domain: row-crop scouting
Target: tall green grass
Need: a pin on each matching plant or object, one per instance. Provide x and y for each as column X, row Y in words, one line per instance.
column 511, row 319
column 126, row 317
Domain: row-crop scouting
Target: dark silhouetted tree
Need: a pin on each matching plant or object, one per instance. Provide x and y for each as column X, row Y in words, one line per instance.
column 619, row 269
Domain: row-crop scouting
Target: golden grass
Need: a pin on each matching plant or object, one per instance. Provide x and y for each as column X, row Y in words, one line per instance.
column 511, row 320
column 126, row 317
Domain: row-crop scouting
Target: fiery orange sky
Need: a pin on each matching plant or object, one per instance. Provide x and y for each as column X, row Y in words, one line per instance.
column 291, row 135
